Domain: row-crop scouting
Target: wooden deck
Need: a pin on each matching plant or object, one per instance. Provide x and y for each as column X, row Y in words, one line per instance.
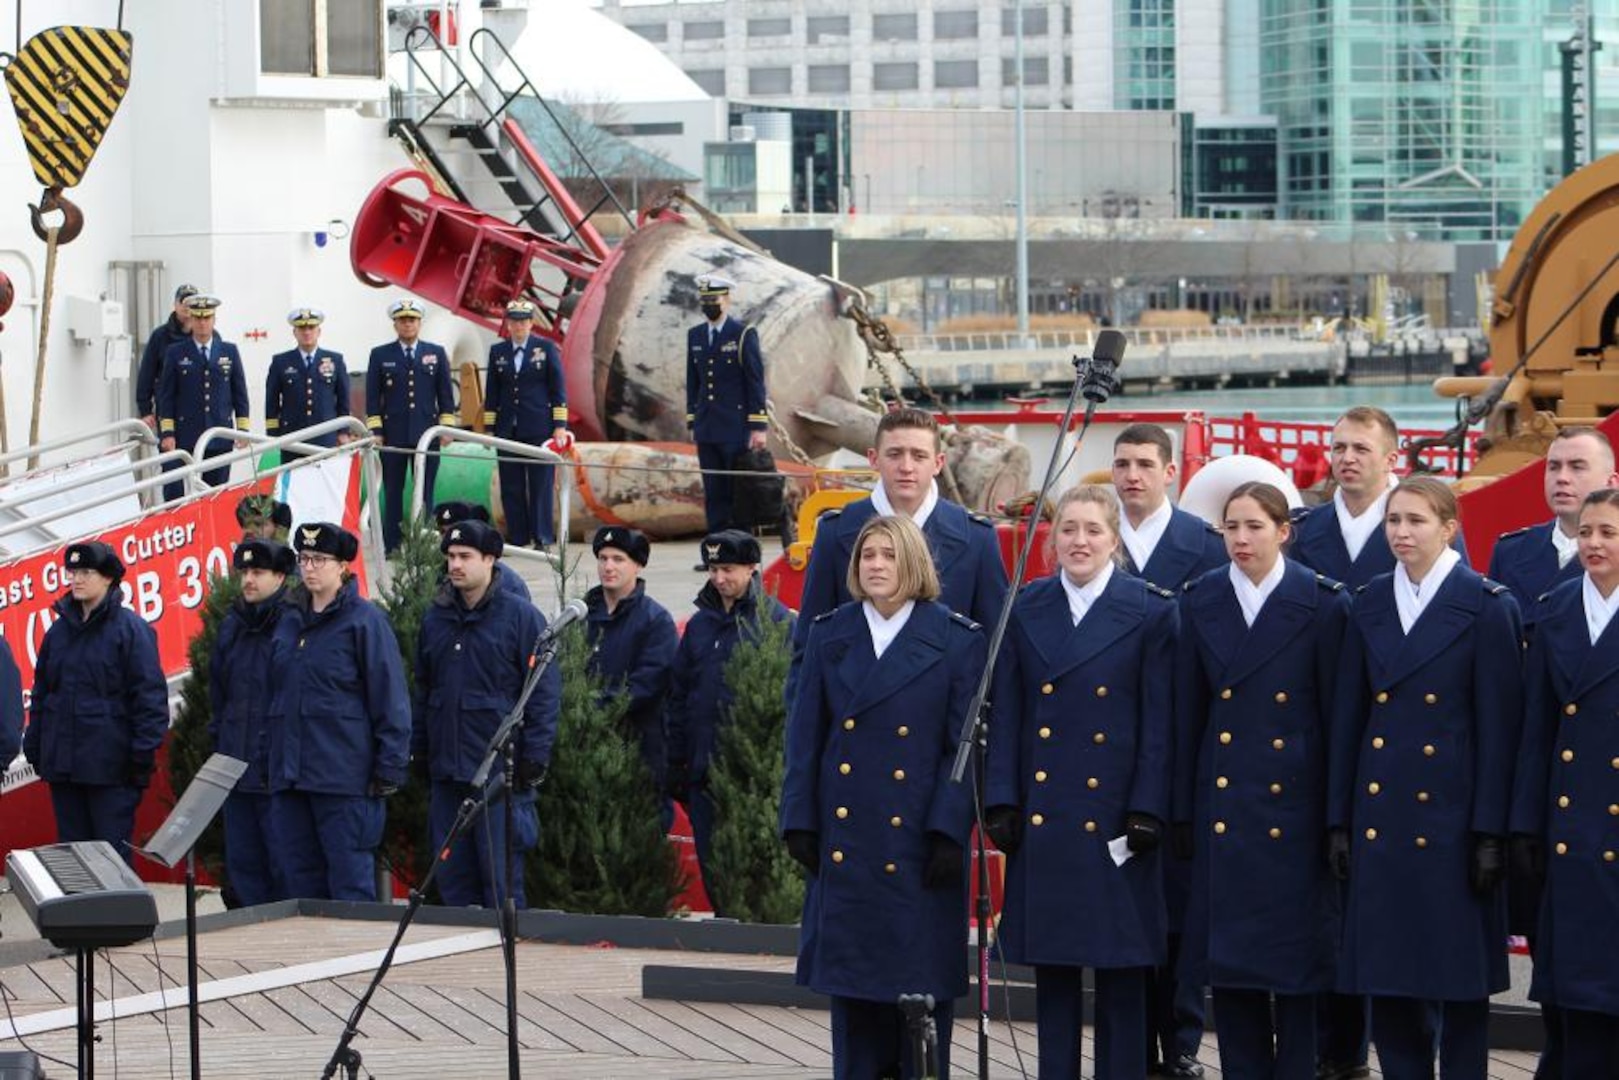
column 282, row 990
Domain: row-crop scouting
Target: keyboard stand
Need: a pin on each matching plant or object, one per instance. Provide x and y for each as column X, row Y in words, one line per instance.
column 85, row 988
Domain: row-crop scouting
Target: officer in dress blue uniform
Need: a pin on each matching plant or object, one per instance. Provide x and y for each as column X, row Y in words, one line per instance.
column 1566, row 796
column 1255, row 673
column 1079, row 753
column 1531, row 562
column 526, row 400
column 11, row 711
column 725, row 394
column 1429, row 708
column 340, row 741
column 241, row 674
column 867, row 805
column 632, row 639
column 453, row 512
column 306, row 386
column 100, row 705
column 729, row 607
column 170, row 332
column 908, row 458
column 1168, row 547
column 471, row 662
column 202, row 386
column 407, row 390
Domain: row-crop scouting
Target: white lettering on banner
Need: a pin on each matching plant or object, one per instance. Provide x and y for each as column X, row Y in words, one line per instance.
column 168, row 538
column 17, row 591
column 148, row 599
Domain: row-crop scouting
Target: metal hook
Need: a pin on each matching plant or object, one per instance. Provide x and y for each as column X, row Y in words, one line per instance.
column 72, row 217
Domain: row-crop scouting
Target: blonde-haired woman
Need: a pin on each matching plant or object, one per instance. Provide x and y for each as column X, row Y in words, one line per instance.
column 867, row 804
column 1079, row 755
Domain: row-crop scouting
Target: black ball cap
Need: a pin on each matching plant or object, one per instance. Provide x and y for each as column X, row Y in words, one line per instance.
column 324, row 538
column 446, row 514
column 482, row 538
column 630, row 541
column 94, row 555
column 270, row 555
column 730, row 547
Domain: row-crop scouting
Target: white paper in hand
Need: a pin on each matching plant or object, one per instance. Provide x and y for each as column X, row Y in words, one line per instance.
column 1119, row 848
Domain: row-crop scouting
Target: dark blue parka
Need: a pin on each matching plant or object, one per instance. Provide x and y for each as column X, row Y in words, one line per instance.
column 403, row 400
column 972, row 577
column 1079, row 738
column 100, row 704
column 168, row 334
column 1566, row 792
column 241, row 685
column 11, row 715
column 698, row 694
column 1252, row 713
column 299, row 395
column 527, row 404
column 1189, row 547
column 1525, row 561
column 470, row 667
column 1424, row 738
column 194, row 394
column 1318, row 543
column 342, row 714
column 631, row 649
column 870, row 744
column 725, row 383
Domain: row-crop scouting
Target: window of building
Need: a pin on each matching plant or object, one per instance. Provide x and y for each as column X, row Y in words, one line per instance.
column 1036, row 71
column 349, row 41
column 770, row 80
column 904, row 76
column 664, row 127
column 1035, row 23
column 893, row 27
column 704, row 30
column 759, row 28
column 829, row 78
column 658, row 32
column 955, row 25
column 820, row 27
column 710, row 80
column 955, row 74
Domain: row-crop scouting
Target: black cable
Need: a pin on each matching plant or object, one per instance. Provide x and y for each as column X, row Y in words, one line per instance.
column 5, row 995
column 157, row 962
column 1000, row 954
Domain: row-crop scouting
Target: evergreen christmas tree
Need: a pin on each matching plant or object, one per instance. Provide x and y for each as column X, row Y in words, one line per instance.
column 754, row 879
column 602, row 847
column 189, row 744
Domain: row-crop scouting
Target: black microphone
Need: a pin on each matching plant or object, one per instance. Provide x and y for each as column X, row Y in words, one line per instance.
column 1098, row 375
column 571, row 612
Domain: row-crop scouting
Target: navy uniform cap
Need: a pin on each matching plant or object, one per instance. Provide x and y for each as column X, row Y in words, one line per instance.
column 630, row 541
column 731, row 547
column 520, row 309
column 94, row 555
column 481, row 538
column 306, row 316
column 405, row 309
column 324, row 538
column 446, row 514
column 258, row 554
column 714, row 285
column 201, row 303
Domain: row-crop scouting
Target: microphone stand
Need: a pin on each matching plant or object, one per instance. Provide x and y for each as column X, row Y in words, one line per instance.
column 501, row 749
column 1094, row 378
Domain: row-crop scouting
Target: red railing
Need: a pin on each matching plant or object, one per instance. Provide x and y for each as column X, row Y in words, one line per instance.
column 1301, row 448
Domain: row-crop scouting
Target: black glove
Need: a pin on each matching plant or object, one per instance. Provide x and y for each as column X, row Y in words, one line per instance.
column 140, row 771
column 380, row 788
column 1489, row 863
column 530, row 775
column 1142, row 832
column 1338, row 853
column 1004, row 827
column 1180, row 840
column 677, row 782
column 944, row 866
column 421, row 769
column 805, row 848
column 1526, row 856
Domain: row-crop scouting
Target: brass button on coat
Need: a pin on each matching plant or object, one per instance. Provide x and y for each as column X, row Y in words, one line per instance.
column 1276, row 789
column 1225, row 695
column 1048, row 689
column 903, row 731
column 1099, row 738
column 1219, row 828
column 1221, row 782
column 1570, row 709
column 1276, row 834
column 1562, row 802
column 1225, row 738
column 1040, row 776
column 1382, row 697
column 899, row 774
column 1422, row 841
column 1037, row 819
column 889, row 868
column 1278, row 744
column 848, row 725
column 1045, row 733
column 1377, row 742
column 1281, row 697
column 896, row 821
column 1562, row 848
column 837, row 856
column 844, row 768
column 1090, row 826
column 1428, row 750
column 1101, row 691
column 1373, row 788
column 843, row 812
column 1371, row 834
column 1093, row 783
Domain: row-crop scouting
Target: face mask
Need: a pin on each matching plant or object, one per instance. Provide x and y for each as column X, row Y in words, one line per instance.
column 711, row 311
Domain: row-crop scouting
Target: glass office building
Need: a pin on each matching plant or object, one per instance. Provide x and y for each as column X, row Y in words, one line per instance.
column 1426, row 115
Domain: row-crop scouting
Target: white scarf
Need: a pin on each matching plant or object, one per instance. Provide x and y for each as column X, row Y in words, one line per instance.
column 1410, row 598
column 1597, row 610
column 884, row 631
column 1082, row 597
column 879, row 499
column 1566, row 546
column 1142, row 541
column 1357, row 529
column 1250, row 597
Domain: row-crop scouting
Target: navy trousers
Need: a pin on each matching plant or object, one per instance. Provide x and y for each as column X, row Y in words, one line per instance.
column 1590, row 1044
column 96, row 812
column 525, row 496
column 472, row 873
column 252, row 856
column 1253, row 1045
column 717, row 490
column 328, row 843
column 1407, row 1031
column 700, row 811
column 869, row 1040
column 395, row 466
column 213, row 477
column 1121, row 1021
column 1174, row 1010
column 1343, row 1023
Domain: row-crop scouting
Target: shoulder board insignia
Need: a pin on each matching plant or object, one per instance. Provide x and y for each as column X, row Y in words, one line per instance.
column 982, row 519
column 1159, row 590
column 831, row 512
column 1494, row 588
column 825, row 615
column 956, row 616
column 1213, row 528
column 1299, row 513
column 1190, row 584
column 1514, row 532
column 1328, row 583
column 1543, row 597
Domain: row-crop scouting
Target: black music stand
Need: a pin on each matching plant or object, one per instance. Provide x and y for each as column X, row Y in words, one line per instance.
column 176, row 839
